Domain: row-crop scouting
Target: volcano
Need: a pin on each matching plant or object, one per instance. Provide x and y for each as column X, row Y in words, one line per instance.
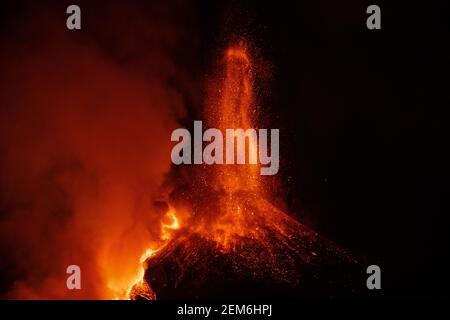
column 281, row 258
column 231, row 241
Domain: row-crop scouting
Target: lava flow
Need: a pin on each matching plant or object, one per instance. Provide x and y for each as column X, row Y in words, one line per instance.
column 138, row 285
column 234, row 242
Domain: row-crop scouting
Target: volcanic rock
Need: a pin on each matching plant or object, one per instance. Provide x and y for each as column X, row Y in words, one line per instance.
column 283, row 259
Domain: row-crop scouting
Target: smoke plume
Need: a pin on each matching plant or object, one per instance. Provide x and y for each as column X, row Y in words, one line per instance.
column 85, row 123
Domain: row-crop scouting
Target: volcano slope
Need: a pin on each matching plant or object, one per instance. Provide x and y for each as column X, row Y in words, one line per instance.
column 259, row 252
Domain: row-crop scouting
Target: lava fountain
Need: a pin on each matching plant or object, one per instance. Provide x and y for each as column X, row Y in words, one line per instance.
column 233, row 242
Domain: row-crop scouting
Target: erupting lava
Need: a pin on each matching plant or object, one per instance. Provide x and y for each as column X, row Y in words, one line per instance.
column 234, row 241
column 236, row 109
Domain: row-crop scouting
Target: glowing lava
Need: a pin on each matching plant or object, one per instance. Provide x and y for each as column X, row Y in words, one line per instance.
column 238, row 186
column 138, row 286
